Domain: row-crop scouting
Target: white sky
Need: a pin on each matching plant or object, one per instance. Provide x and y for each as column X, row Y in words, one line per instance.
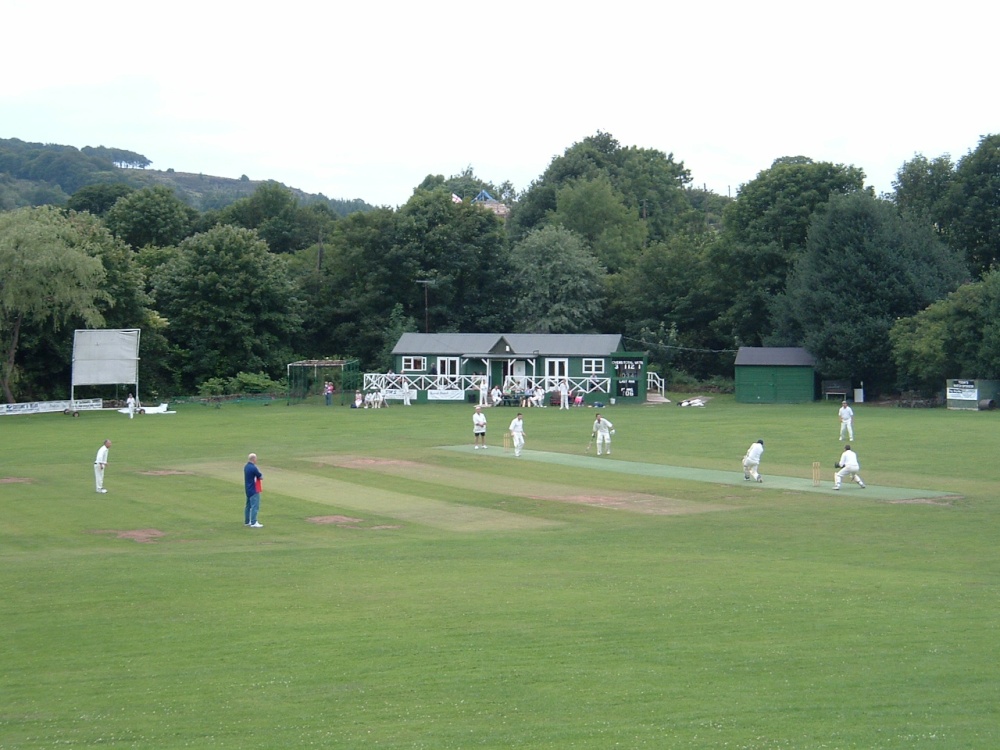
column 363, row 100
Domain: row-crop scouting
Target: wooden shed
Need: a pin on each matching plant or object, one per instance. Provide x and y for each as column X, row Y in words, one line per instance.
column 775, row 375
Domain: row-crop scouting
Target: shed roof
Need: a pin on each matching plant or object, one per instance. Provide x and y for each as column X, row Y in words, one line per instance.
column 775, row 356
column 510, row 344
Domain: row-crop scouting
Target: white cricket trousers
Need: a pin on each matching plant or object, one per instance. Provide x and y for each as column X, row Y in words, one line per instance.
column 518, row 442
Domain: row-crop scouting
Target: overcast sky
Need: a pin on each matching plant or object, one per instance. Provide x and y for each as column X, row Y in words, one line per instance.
column 363, row 100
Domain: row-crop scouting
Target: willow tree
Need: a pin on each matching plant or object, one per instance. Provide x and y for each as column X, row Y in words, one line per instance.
column 48, row 276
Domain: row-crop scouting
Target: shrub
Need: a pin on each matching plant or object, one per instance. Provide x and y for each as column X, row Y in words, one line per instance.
column 212, row 387
column 253, row 382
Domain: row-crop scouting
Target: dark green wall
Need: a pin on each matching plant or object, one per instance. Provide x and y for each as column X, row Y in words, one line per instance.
column 764, row 384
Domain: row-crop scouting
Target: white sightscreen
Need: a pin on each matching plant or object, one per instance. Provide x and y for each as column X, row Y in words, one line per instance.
column 106, row 357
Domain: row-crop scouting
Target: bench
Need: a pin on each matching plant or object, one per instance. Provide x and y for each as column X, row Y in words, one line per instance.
column 839, row 388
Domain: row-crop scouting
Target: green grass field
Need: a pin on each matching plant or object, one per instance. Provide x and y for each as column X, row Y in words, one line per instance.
column 409, row 592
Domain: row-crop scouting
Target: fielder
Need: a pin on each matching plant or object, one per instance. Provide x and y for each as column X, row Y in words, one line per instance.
column 479, row 428
column 846, row 421
column 130, row 402
column 603, row 430
column 849, row 467
column 751, row 462
column 100, row 464
column 517, row 433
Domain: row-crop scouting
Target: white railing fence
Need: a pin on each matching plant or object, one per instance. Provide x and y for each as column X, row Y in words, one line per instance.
column 393, row 382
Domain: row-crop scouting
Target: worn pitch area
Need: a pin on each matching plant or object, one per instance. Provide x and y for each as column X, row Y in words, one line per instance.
column 349, row 495
column 345, row 494
column 593, row 463
column 474, row 481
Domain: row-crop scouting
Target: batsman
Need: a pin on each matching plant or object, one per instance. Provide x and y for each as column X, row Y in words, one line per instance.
column 603, row 430
column 751, row 462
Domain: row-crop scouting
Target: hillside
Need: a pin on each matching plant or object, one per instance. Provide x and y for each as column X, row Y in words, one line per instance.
column 33, row 174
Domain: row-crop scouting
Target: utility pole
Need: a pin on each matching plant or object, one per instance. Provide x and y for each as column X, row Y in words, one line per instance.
column 426, row 283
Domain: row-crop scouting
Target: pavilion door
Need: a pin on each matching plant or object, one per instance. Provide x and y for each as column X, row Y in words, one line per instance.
column 556, row 371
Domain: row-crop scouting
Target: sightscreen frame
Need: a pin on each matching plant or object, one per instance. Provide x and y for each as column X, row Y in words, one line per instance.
column 107, row 356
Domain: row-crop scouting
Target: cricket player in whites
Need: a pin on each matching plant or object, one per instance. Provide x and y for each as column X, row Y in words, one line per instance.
column 517, row 433
column 479, row 428
column 603, row 430
column 846, row 415
column 751, row 462
column 848, row 466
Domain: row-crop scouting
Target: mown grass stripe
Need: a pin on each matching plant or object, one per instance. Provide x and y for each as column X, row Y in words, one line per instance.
column 403, row 507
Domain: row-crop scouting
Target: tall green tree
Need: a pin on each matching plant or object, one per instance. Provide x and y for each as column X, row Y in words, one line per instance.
column 922, row 185
column 128, row 304
column 955, row 337
column 461, row 249
column 346, row 282
column 559, row 283
column 972, row 205
column 864, row 267
column 597, row 212
column 445, row 263
column 124, row 303
column 666, row 300
column 650, row 183
column 765, row 233
column 230, row 304
column 151, row 216
column 98, row 198
column 275, row 212
column 48, row 276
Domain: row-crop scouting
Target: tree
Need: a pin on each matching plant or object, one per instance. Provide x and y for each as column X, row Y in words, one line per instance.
column 98, row 199
column 460, row 248
column 378, row 258
column 47, row 276
column 559, row 283
column 275, row 213
column 47, row 353
column 765, row 233
column 230, row 305
column 345, row 284
column 269, row 201
column 151, row 216
column 922, row 184
column 650, row 183
column 128, row 303
column 666, row 300
column 397, row 324
column 596, row 211
column 864, row 267
column 118, row 156
column 956, row 337
column 776, row 207
column 972, row 206
column 62, row 166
